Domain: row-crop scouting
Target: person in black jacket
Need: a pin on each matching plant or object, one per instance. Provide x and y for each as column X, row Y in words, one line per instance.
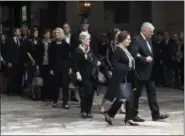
column 142, row 51
column 59, row 62
column 123, row 71
column 109, row 54
column 44, row 66
column 86, row 72
column 32, row 53
column 14, row 58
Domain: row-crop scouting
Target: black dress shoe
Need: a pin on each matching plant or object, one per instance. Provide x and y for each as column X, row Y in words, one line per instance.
column 131, row 123
column 66, row 106
column 160, row 117
column 83, row 115
column 89, row 115
column 74, row 99
column 108, row 119
column 138, row 119
column 54, row 105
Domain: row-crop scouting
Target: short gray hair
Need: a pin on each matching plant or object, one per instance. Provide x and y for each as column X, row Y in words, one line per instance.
column 83, row 35
column 147, row 25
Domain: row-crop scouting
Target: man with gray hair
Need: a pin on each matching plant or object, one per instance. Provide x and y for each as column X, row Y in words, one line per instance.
column 142, row 51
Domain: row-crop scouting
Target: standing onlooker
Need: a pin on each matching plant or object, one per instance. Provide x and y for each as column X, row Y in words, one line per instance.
column 32, row 52
column 59, row 61
column 158, row 68
column 15, row 63
column 70, row 39
column 44, row 66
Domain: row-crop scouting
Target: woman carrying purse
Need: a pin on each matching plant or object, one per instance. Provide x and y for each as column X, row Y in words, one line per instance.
column 120, row 86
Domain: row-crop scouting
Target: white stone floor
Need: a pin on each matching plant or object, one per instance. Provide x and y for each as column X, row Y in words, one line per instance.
column 20, row 116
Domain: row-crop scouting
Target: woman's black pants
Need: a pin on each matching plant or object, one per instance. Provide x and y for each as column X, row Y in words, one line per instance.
column 86, row 92
column 128, row 105
column 61, row 79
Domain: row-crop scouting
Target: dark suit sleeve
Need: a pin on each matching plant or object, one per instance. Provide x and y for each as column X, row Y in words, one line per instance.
column 76, row 59
column 9, row 53
column 51, row 56
column 135, row 51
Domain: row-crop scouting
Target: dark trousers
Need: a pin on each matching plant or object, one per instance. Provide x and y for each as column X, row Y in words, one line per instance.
column 151, row 95
column 46, row 89
column 15, row 79
column 86, row 92
column 128, row 94
column 61, row 79
column 159, row 74
column 169, row 74
column 182, row 72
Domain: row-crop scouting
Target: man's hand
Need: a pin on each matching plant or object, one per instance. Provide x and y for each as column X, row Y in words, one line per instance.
column 79, row 77
column 70, row 71
column 51, row 72
column 98, row 63
column 9, row 65
column 149, row 59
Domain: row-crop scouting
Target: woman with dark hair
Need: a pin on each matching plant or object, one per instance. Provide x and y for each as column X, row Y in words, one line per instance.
column 32, row 52
column 123, row 72
column 108, row 59
column 44, row 65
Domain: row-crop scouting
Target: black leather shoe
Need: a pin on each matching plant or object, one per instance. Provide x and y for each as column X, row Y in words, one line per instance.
column 66, row 106
column 84, row 115
column 74, row 99
column 108, row 119
column 131, row 123
column 160, row 117
column 89, row 115
column 138, row 119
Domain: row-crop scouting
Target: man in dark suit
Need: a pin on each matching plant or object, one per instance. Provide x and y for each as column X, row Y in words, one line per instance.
column 15, row 62
column 70, row 39
column 142, row 51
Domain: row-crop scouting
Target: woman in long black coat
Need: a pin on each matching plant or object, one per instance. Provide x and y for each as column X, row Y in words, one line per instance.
column 123, row 72
column 86, row 72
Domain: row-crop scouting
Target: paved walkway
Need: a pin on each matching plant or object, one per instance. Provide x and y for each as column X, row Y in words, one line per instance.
column 21, row 116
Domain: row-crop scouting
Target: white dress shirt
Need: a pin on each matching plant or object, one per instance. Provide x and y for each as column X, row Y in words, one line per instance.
column 149, row 47
column 68, row 38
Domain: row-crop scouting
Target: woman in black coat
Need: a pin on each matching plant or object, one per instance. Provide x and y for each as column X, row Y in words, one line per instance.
column 32, row 52
column 59, row 63
column 124, row 65
column 86, row 72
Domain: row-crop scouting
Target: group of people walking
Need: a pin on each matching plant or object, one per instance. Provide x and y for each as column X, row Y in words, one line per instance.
column 62, row 59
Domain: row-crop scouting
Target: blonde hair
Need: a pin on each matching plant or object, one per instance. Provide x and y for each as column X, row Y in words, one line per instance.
column 61, row 32
column 83, row 35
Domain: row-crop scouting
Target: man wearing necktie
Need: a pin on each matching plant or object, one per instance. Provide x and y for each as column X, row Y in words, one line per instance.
column 142, row 51
column 15, row 63
column 70, row 39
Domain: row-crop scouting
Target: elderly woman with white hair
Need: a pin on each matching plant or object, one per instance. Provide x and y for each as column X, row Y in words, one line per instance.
column 59, row 62
column 86, row 72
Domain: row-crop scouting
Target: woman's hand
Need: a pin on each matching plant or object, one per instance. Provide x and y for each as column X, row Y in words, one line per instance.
column 98, row 63
column 37, row 67
column 79, row 77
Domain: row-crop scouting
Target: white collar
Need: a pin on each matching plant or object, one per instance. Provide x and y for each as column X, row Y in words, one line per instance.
column 143, row 36
column 83, row 49
column 67, row 36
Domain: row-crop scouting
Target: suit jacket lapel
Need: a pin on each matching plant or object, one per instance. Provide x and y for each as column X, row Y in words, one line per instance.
column 146, row 46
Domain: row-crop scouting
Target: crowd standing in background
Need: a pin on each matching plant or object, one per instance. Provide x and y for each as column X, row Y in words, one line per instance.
column 80, row 62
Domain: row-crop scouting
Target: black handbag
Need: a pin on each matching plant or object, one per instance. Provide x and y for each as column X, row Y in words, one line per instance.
column 125, row 91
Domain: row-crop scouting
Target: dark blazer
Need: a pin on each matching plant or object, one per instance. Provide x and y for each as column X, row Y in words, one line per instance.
column 109, row 55
column 59, row 57
column 139, row 46
column 86, row 67
column 14, row 52
column 120, row 63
